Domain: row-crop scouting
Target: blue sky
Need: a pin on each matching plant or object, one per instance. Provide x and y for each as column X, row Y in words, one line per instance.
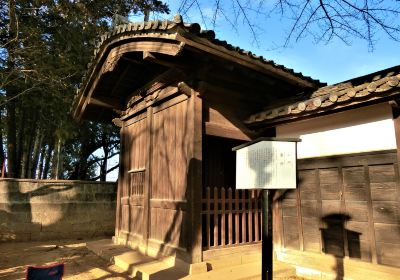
column 332, row 63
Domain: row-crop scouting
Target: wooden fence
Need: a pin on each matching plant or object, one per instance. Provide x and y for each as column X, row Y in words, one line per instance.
column 231, row 217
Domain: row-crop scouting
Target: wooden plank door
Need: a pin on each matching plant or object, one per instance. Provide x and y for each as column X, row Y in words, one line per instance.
column 133, row 180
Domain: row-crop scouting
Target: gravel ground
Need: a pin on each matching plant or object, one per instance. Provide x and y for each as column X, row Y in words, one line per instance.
column 80, row 263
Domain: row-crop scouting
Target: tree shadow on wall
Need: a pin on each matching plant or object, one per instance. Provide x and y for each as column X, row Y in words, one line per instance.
column 333, row 237
column 17, row 220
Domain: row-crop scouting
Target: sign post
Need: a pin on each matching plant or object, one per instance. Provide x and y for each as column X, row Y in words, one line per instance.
column 267, row 164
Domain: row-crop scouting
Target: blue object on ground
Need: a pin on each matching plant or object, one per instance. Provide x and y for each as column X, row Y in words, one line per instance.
column 54, row 272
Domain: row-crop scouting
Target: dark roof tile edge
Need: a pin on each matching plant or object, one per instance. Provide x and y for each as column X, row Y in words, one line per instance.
column 193, row 28
column 330, row 99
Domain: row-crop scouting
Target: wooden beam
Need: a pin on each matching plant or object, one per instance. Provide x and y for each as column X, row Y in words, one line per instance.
column 120, row 78
column 105, row 102
column 152, row 57
column 214, row 129
column 185, row 89
column 160, row 81
column 203, row 45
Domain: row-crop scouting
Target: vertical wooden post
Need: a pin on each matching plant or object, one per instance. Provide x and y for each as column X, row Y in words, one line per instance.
column 267, row 244
column 216, row 220
column 230, row 217
column 147, row 179
column 120, row 183
column 208, row 235
column 396, row 122
column 195, row 177
column 237, row 209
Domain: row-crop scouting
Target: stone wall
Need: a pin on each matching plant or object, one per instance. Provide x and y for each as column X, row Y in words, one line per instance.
column 33, row 210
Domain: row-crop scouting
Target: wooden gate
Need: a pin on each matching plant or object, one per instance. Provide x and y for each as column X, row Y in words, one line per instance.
column 132, row 187
column 231, row 217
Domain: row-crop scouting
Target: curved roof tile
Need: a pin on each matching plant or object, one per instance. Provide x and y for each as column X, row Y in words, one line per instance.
column 330, row 97
column 193, row 28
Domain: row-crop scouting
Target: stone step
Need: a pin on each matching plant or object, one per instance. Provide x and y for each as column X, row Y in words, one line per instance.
column 138, row 265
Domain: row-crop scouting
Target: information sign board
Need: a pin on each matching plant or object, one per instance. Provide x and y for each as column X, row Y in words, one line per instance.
column 266, row 164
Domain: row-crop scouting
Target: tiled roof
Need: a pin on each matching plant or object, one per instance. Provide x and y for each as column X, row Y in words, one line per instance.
column 362, row 89
column 167, row 26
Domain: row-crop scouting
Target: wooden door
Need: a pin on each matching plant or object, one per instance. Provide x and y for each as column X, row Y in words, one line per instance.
column 171, row 137
column 133, row 180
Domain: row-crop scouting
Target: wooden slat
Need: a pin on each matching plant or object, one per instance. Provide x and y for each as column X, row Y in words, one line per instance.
column 244, row 224
column 230, row 217
column 299, row 220
column 237, row 232
column 216, row 221
column 208, row 225
column 256, row 220
column 250, row 215
column 223, row 228
column 225, row 213
column 370, row 216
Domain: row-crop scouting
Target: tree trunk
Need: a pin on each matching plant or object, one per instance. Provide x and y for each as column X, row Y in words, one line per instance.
column 2, row 156
column 10, row 93
column 20, row 143
column 35, row 154
column 30, row 140
column 103, row 167
column 56, row 163
column 41, row 162
column 47, row 160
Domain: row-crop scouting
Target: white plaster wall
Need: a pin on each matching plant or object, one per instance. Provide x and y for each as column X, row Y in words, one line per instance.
column 360, row 130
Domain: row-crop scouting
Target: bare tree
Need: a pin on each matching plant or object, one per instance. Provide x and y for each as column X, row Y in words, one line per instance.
column 323, row 20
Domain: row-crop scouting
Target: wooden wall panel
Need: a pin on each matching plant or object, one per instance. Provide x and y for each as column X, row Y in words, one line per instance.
column 348, row 207
column 290, row 233
column 170, row 153
column 169, row 173
column 136, row 144
column 330, row 184
column 289, row 208
column 307, row 184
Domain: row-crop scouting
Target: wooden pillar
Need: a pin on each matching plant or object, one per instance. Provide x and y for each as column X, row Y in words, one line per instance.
column 147, row 179
column 396, row 122
column 195, row 178
column 120, row 182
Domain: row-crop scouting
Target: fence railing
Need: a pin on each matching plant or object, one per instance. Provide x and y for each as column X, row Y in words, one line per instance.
column 231, row 217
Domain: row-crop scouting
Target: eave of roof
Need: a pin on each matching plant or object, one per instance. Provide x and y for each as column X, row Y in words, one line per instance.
column 167, row 27
column 372, row 87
